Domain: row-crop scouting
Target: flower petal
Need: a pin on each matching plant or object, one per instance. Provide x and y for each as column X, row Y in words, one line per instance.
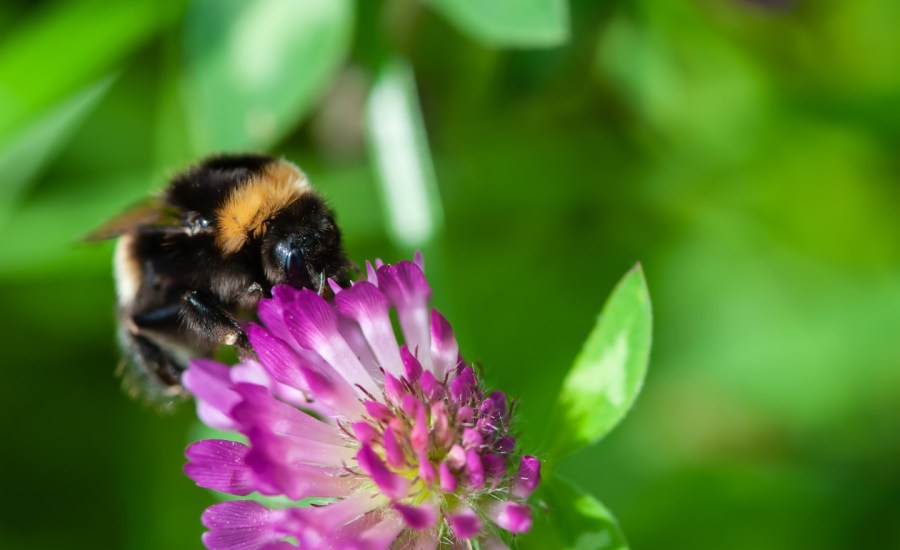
column 271, row 312
column 210, row 383
column 277, row 357
column 405, row 286
column 241, row 524
column 380, row 535
column 463, row 386
column 512, row 516
column 314, row 325
column 257, row 405
column 494, row 466
column 444, row 348
column 412, row 369
column 421, row 517
column 464, row 522
column 317, row 524
column 474, row 470
column 448, row 480
column 527, row 478
column 218, row 464
column 278, row 468
column 391, row 484
column 392, row 450
column 366, row 305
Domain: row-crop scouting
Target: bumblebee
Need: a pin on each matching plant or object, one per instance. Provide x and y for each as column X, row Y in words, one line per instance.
column 193, row 261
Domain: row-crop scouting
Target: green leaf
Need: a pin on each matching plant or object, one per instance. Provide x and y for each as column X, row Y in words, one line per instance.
column 26, row 152
column 572, row 520
column 509, row 23
column 54, row 226
column 66, row 46
column 608, row 373
column 399, row 148
column 254, row 69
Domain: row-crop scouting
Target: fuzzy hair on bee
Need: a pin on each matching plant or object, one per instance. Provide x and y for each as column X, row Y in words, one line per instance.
column 193, row 261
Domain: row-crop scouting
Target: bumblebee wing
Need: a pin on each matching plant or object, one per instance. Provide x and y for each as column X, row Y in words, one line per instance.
column 152, row 212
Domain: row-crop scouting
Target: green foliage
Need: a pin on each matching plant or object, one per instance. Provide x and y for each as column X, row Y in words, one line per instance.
column 26, row 152
column 510, row 23
column 254, row 69
column 570, row 519
column 400, row 153
column 50, row 56
column 608, row 373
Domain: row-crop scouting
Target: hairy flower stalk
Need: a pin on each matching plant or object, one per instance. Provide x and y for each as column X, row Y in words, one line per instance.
column 410, row 450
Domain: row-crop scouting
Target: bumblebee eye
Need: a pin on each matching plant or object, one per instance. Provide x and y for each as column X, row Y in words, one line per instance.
column 292, row 260
column 203, row 222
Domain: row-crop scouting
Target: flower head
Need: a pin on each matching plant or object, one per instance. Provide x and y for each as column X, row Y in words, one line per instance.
column 402, row 439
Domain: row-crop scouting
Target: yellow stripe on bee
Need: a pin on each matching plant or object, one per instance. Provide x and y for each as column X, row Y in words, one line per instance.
column 252, row 204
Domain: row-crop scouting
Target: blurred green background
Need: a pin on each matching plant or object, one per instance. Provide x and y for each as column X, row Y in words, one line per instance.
column 744, row 151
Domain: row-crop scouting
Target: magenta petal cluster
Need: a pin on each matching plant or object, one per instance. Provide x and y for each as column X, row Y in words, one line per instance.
column 401, row 439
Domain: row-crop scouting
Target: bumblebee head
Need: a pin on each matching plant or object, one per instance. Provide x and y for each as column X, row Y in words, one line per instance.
column 302, row 245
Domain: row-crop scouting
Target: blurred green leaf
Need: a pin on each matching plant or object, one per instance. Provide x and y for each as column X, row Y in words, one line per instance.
column 51, row 55
column 399, row 148
column 608, row 373
column 26, row 152
column 510, row 23
column 55, row 227
column 572, row 520
column 254, row 69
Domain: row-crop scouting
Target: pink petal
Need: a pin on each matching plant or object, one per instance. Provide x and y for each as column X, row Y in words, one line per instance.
column 421, row 517
column 474, row 470
column 412, row 369
column 464, row 386
column 353, row 335
column 364, row 432
column 318, row 523
column 277, row 357
column 281, row 418
column 278, row 469
column 241, row 524
column 219, row 465
column 426, row 468
column 405, row 286
column 419, row 435
column 382, row 534
column 471, row 439
column 440, row 418
column 378, row 411
column 271, row 312
column 512, row 516
column 465, row 523
column 392, row 449
column 315, row 326
column 419, row 260
column 494, row 466
column 444, row 349
column 527, row 478
column 394, row 388
column 330, row 388
column 210, row 383
column 448, row 480
column 391, row 484
column 505, row 444
column 365, row 304
column 432, row 389
column 371, row 276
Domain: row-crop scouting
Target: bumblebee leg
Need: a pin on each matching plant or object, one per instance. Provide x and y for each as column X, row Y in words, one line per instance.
column 149, row 369
column 206, row 317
